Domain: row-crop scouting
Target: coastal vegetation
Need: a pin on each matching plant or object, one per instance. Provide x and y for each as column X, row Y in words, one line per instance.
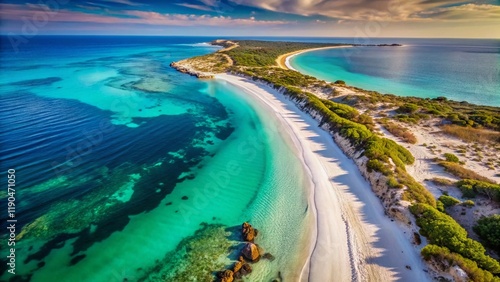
column 253, row 53
column 451, row 158
column 444, row 258
column 470, row 134
column 341, row 115
column 488, row 229
column 462, row 172
column 442, row 230
column 399, row 131
column 471, row 188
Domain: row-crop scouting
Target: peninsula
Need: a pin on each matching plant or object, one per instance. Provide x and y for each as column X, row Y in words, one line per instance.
column 401, row 188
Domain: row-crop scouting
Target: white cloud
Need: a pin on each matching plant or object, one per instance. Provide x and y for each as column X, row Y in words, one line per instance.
column 380, row 10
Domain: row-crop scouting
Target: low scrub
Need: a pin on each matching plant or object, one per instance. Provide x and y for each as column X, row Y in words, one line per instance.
column 441, row 254
column 451, row 158
column 470, row 188
column 488, row 229
column 401, row 132
column 442, row 181
column 444, row 231
column 469, row 134
column 462, row 172
column 448, row 201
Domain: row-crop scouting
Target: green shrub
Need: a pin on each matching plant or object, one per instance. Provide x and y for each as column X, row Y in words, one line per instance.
column 341, row 82
column 376, row 165
column 408, row 108
column 441, row 254
column 393, row 182
column 470, row 188
column 488, row 229
column 468, row 203
column 444, row 231
column 440, row 206
column 448, row 201
column 451, row 158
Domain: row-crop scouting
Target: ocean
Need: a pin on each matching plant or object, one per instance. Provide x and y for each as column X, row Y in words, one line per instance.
column 459, row 69
column 127, row 170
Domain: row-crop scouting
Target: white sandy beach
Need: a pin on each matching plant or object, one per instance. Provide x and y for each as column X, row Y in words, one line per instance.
column 352, row 239
column 283, row 60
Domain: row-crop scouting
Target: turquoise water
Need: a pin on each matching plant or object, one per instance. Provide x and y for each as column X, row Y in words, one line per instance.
column 123, row 164
column 459, row 69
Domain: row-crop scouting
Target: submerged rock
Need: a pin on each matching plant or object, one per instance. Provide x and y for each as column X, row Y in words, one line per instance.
column 268, row 256
column 251, row 252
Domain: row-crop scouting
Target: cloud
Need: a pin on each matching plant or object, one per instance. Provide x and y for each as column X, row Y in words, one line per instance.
column 382, row 10
column 124, row 2
column 480, row 12
column 15, row 12
column 196, row 7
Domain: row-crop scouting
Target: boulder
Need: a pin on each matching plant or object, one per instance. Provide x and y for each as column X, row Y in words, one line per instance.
column 237, row 266
column 226, row 276
column 245, row 269
column 248, row 232
column 251, row 252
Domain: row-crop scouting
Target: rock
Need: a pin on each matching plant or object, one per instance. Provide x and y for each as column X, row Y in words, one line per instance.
column 268, row 256
column 241, row 259
column 416, row 238
column 251, row 252
column 246, row 269
column 237, row 266
column 248, row 232
column 459, row 274
column 184, row 198
column 226, row 276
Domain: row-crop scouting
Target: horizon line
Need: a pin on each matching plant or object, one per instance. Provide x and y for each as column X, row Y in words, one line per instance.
column 253, row 36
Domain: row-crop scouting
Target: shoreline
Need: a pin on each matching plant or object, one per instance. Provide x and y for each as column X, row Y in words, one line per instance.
column 352, row 238
column 283, row 61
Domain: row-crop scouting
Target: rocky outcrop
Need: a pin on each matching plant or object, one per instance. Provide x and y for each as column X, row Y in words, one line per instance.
column 458, row 274
column 251, row 252
column 248, row 232
column 226, row 276
column 186, row 68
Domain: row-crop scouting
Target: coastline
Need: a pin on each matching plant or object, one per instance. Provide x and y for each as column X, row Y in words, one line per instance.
column 352, row 237
column 283, row 61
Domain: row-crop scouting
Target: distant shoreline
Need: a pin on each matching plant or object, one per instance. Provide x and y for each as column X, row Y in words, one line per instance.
column 283, row 60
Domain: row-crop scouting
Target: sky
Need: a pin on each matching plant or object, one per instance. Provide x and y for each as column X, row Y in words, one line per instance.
column 313, row 18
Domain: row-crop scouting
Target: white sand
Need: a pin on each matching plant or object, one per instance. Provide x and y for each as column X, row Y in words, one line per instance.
column 352, row 239
column 293, row 54
column 287, row 56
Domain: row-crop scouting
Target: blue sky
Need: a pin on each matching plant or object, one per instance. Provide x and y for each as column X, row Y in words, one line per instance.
column 352, row 18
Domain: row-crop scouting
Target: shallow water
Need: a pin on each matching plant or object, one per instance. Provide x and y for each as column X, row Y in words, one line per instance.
column 459, row 69
column 120, row 159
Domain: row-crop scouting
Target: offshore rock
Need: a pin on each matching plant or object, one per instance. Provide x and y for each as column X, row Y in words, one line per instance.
column 251, row 252
column 248, row 232
column 226, row 276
